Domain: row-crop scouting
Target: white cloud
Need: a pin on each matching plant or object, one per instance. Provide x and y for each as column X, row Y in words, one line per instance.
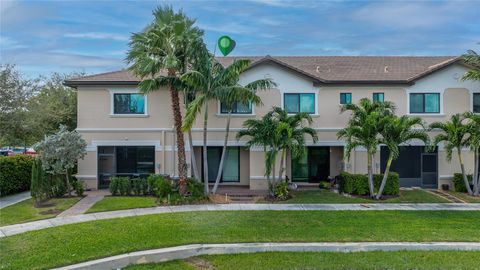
column 7, row 43
column 96, row 35
column 232, row 28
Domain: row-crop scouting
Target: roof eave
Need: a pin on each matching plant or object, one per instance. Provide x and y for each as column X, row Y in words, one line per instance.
column 81, row 83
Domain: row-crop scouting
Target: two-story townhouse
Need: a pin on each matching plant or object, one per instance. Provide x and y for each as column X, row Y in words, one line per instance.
column 131, row 134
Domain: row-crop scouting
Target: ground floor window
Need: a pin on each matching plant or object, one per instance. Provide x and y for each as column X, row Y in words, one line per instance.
column 231, row 165
column 131, row 161
column 314, row 166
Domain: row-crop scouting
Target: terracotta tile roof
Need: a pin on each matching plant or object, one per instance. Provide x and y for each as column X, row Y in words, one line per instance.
column 323, row 69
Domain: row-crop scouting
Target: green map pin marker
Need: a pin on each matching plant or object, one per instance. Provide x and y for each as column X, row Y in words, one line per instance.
column 226, row 45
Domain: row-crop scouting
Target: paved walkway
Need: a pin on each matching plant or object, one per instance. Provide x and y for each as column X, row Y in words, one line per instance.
column 13, row 199
column 58, row 221
column 183, row 252
column 84, row 204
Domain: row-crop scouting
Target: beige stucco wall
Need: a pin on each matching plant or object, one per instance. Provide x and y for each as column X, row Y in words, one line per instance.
column 96, row 124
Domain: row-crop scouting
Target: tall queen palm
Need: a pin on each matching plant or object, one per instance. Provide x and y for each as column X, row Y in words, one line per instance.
column 159, row 55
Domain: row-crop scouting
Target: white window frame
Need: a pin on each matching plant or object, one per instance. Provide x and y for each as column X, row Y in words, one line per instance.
column 127, row 91
column 440, row 92
column 300, row 92
column 219, row 112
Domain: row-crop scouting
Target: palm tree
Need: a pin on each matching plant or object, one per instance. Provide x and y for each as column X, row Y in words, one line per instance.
column 397, row 131
column 229, row 96
column 215, row 82
column 473, row 60
column 363, row 129
column 159, row 55
column 261, row 133
column 290, row 133
column 455, row 136
column 474, row 142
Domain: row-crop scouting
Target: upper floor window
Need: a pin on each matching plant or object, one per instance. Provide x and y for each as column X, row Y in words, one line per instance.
column 238, row 108
column 128, row 103
column 378, row 97
column 295, row 103
column 476, row 102
column 345, row 98
column 425, row 103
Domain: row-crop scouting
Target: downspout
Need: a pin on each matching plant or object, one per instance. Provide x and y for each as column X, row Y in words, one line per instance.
column 164, row 151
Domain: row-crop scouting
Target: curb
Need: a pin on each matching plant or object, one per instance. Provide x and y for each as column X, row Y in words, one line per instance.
column 186, row 251
column 59, row 221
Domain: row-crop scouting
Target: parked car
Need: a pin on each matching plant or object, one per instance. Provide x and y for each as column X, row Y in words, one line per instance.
column 6, row 153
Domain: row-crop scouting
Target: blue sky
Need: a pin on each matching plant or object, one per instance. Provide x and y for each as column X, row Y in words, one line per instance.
column 41, row 37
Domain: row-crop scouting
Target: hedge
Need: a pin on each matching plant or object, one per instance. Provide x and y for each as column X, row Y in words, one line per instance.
column 15, row 174
column 357, row 184
column 458, row 182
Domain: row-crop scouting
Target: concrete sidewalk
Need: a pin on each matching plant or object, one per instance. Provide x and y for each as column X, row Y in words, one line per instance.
column 13, row 199
column 187, row 251
column 59, row 221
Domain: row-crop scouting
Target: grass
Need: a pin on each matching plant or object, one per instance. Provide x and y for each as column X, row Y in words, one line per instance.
column 96, row 239
column 426, row 260
column 465, row 196
column 111, row 203
column 25, row 211
column 326, row 196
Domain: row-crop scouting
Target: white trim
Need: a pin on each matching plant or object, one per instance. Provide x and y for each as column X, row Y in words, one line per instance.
column 156, row 143
column 315, row 92
column 86, row 177
column 258, row 177
column 129, row 115
column 219, row 143
column 127, row 91
column 445, row 177
column 88, row 130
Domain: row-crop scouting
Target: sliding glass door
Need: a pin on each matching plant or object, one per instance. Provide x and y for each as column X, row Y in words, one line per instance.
column 231, row 165
column 130, row 161
column 314, row 166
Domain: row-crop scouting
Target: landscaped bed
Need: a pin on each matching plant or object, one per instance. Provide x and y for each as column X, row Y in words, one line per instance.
column 326, row 196
column 465, row 196
column 424, row 260
column 96, row 239
column 25, row 211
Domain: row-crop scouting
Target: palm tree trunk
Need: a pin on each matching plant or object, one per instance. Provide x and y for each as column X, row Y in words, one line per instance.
column 370, row 174
column 177, row 119
column 281, row 169
column 462, row 166
column 476, row 178
column 192, row 156
column 205, row 160
column 222, row 159
column 268, row 175
column 385, row 177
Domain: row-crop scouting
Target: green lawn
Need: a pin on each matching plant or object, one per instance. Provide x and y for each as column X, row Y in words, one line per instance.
column 111, row 203
column 424, row 260
column 25, row 211
column 465, row 196
column 326, row 196
column 96, row 239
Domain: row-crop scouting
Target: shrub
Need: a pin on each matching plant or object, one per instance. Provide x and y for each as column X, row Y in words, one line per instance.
column 58, row 186
column 458, row 182
column 40, row 188
column 139, row 186
column 195, row 188
column 77, row 186
column 160, row 185
column 15, row 174
column 280, row 191
column 324, row 185
column 357, row 184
